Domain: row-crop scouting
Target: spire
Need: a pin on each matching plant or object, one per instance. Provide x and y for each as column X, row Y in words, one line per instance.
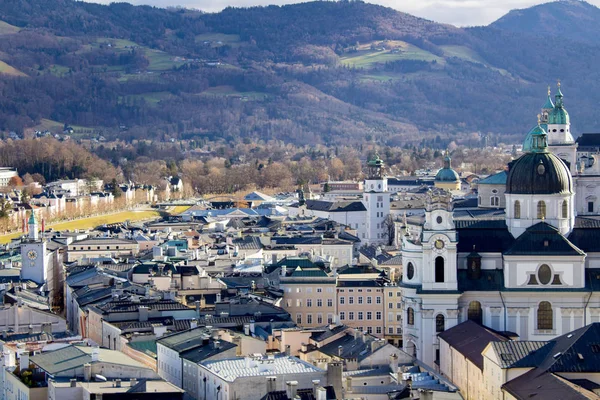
column 559, row 96
column 549, row 105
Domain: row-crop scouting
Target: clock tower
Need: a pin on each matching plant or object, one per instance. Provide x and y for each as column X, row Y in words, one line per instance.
column 33, row 255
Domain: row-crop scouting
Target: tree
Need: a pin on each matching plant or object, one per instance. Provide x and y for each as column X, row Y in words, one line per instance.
column 5, row 208
column 116, row 190
column 15, row 181
column 390, row 229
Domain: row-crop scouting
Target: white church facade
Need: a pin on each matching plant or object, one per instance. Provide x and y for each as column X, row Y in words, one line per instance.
column 533, row 270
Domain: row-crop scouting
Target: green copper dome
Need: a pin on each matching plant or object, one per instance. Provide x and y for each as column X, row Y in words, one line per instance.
column 31, row 219
column 536, row 140
column 375, row 161
column 558, row 115
column 447, row 174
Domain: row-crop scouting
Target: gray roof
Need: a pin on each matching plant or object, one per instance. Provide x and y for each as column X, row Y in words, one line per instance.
column 519, row 354
column 469, row 339
column 335, row 206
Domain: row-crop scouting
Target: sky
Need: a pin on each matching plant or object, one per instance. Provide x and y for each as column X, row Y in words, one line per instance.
column 456, row 12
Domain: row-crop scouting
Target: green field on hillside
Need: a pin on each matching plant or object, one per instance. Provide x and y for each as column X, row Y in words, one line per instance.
column 370, row 54
column 218, row 39
column 9, row 70
column 8, row 29
column 229, row 91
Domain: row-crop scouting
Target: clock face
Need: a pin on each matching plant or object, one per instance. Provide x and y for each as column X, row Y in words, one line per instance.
column 32, row 254
column 439, row 244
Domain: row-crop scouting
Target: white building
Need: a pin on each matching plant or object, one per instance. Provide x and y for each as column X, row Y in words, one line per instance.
column 532, row 272
column 250, row 378
column 6, row 174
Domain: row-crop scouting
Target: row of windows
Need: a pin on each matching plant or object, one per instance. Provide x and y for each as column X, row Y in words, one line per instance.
column 309, row 318
column 360, row 315
column 545, row 319
column 360, row 300
column 309, row 302
column 309, row 289
column 541, row 209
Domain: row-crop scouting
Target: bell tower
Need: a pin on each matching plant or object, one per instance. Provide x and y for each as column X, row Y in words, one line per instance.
column 33, row 255
column 376, row 200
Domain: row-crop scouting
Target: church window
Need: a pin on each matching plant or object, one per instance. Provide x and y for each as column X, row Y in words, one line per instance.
column 479, row 199
column 439, row 220
column 541, row 209
column 517, row 209
column 590, row 206
column 544, row 316
column 562, row 130
column 544, row 274
column 565, row 209
column 439, row 269
column 440, row 323
column 556, row 280
column 474, row 313
column 410, row 271
column 410, row 316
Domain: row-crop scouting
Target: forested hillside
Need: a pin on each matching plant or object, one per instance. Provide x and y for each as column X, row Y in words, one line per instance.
column 334, row 73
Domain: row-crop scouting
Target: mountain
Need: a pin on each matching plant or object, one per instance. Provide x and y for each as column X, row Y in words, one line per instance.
column 572, row 19
column 335, row 73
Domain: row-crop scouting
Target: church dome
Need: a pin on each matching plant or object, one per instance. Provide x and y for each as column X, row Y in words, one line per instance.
column 447, row 174
column 539, row 173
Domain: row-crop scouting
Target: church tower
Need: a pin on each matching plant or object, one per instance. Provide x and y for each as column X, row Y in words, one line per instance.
column 560, row 139
column 376, row 199
column 33, row 255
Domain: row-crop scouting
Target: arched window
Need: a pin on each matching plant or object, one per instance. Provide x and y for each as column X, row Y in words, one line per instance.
column 410, row 316
column 541, row 209
column 544, row 316
column 440, row 323
column 517, row 209
column 565, row 209
column 439, row 269
column 410, row 271
column 474, row 313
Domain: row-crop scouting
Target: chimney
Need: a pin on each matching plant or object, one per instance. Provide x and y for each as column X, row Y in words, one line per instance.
column 197, row 303
column 321, row 394
column 315, row 383
column 394, row 363
column 334, row 377
column 47, row 328
column 247, row 329
column 283, row 270
column 216, row 344
column 340, row 348
column 376, row 344
column 87, row 372
column 291, row 389
column 218, row 298
column 252, row 326
column 95, row 353
column 274, row 258
column 117, row 383
column 132, row 382
column 425, row 394
column 348, row 384
column 288, row 351
column 143, row 313
column 24, row 360
column 193, row 323
column 73, row 382
column 238, row 343
column 30, row 329
column 271, row 384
